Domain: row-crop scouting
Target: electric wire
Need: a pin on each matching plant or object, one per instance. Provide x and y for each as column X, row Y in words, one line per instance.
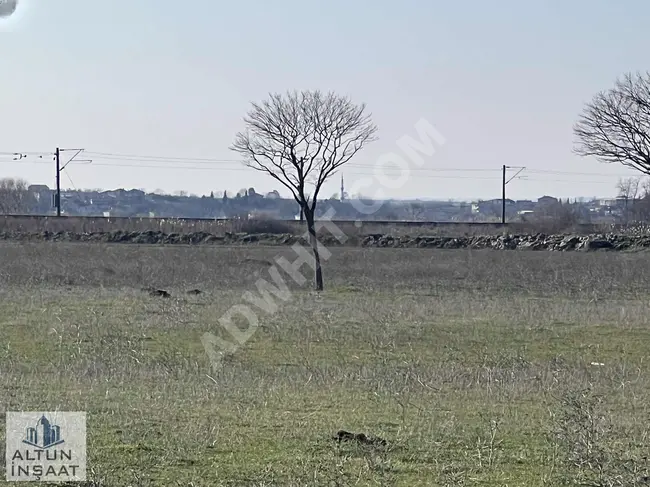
column 135, row 161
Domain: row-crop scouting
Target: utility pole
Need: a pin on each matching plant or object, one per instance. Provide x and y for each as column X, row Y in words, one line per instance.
column 503, row 197
column 504, row 182
column 57, row 198
column 57, row 161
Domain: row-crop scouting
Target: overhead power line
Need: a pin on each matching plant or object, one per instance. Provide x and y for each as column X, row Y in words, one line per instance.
column 26, row 153
column 192, row 160
column 110, row 156
column 220, row 165
column 134, row 161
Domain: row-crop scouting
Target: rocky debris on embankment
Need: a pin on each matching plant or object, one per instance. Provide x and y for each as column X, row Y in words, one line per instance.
column 500, row 242
column 515, row 242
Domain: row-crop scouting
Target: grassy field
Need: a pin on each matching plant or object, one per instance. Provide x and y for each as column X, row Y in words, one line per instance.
column 75, row 224
column 478, row 367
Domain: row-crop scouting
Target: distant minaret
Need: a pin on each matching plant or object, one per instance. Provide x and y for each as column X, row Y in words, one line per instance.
column 342, row 189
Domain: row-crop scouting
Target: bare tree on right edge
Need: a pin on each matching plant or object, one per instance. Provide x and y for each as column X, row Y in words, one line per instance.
column 301, row 139
column 614, row 126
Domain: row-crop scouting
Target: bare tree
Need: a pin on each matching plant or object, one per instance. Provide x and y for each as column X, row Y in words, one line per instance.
column 554, row 217
column 14, row 197
column 615, row 126
column 642, row 208
column 629, row 189
column 415, row 211
column 301, row 139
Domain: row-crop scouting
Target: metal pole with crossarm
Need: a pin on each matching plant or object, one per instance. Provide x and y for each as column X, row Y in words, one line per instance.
column 57, row 160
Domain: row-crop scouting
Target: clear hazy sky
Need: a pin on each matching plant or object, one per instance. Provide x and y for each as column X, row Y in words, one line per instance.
column 503, row 82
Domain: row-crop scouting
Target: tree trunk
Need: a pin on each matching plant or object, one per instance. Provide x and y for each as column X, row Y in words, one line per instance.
column 311, row 228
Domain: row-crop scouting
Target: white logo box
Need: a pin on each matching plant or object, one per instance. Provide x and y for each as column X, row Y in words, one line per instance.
column 47, row 446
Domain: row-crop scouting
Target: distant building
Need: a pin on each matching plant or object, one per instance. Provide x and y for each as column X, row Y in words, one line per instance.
column 525, row 205
column 489, row 206
column 38, row 188
column 546, row 200
column 613, row 202
column 40, row 191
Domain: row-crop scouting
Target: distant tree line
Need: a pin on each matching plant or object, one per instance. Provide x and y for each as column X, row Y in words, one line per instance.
column 15, row 198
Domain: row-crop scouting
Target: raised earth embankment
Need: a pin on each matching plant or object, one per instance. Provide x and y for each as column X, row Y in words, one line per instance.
column 612, row 242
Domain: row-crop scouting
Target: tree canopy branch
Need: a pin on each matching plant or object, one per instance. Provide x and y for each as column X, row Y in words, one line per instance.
column 614, row 126
column 302, row 138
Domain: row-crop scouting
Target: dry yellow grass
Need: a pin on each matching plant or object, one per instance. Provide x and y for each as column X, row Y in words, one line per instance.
column 220, row 227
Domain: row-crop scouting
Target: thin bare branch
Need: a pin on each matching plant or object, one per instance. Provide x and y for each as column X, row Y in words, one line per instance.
column 615, row 126
column 302, row 138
